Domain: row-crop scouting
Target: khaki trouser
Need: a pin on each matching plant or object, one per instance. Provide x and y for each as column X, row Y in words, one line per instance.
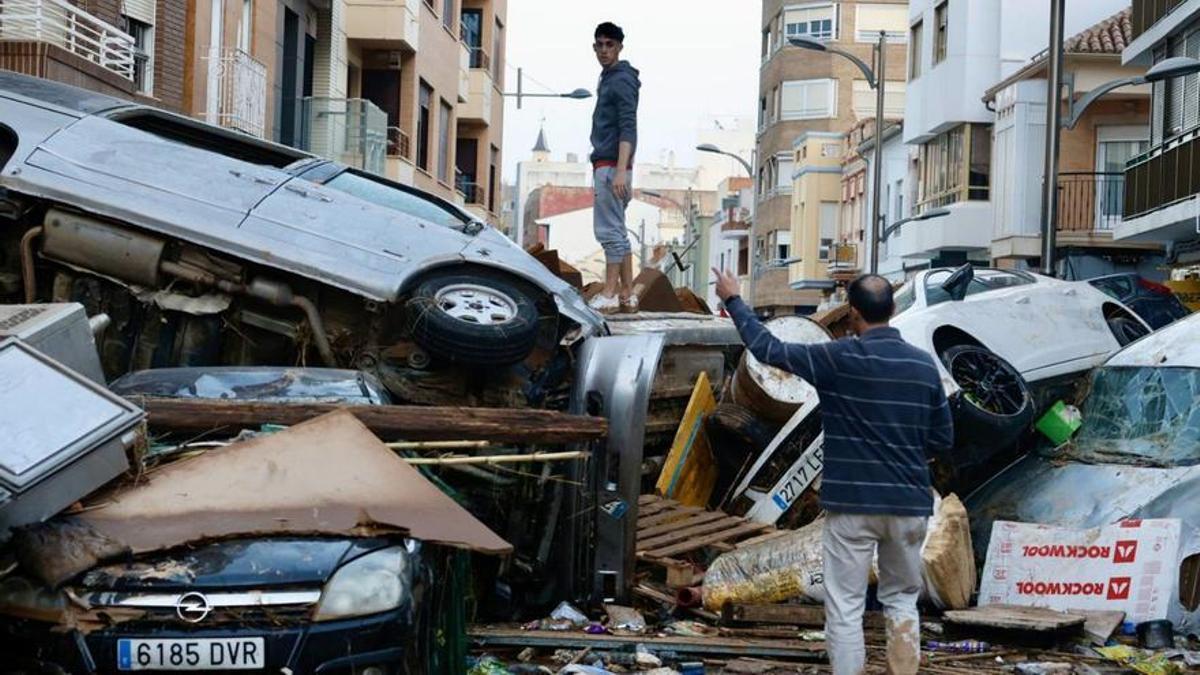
column 850, row 544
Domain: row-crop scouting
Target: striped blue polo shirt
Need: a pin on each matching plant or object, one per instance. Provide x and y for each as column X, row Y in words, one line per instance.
column 883, row 409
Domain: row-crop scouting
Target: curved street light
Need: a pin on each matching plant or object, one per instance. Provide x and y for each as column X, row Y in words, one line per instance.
column 520, row 93
column 1176, row 66
column 876, row 82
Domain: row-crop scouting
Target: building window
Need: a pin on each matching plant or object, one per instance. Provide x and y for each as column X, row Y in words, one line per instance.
column 776, row 104
column 914, row 50
column 766, row 43
column 498, row 55
column 448, row 14
column 444, row 143
column 828, row 228
column 425, row 102
column 781, row 247
column 143, row 53
column 941, row 23
column 762, row 113
column 784, row 166
column 493, row 178
column 869, row 20
column 893, row 99
column 955, row 166
column 808, row 100
column 246, row 27
column 813, row 21
column 1182, row 94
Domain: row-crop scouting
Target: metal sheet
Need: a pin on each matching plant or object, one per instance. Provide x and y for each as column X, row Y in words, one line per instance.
column 614, row 379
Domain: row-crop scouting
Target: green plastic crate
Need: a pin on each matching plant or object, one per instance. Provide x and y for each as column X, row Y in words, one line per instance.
column 1060, row 423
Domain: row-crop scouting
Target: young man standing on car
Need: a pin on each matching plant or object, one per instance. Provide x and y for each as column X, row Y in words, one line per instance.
column 614, row 140
column 884, row 414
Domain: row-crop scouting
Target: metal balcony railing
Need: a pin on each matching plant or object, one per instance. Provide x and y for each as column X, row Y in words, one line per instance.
column 352, row 131
column 1090, row 202
column 60, row 23
column 1146, row 13
column 241, row 86
column 480, row 58
column 398, row 143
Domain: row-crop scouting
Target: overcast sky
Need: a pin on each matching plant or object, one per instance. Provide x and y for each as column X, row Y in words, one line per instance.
column 696, row 58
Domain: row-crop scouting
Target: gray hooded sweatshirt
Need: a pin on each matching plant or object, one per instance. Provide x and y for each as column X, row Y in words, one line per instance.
column 615, row 117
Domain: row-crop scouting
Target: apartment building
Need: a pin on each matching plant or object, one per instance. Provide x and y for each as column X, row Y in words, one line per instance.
column 801, row 92
column 958, row 49
column 727, row 232
column 127, row 48
column 1091, row 181
column 1162, row 183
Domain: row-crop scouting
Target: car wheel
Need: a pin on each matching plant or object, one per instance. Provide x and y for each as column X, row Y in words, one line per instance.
column 1126, row 330
column 995, row 403
column 473, row 318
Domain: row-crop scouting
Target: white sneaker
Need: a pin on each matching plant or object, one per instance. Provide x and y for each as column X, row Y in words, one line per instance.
column 630, row 305
column 605, row 304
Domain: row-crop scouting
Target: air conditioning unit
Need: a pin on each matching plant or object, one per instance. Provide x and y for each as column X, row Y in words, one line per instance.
column 64, row 435
column 61, row 331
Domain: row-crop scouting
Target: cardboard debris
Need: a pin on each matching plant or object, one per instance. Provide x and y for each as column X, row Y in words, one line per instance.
column 327, row 476
column 1131, row 567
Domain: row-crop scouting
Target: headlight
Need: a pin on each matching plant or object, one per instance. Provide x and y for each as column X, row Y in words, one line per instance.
column 374, row 583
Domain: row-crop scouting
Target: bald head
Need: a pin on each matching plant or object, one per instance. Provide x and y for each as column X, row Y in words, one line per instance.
column 871, row 295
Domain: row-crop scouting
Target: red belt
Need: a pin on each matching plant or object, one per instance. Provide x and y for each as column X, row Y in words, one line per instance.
column 606, row 163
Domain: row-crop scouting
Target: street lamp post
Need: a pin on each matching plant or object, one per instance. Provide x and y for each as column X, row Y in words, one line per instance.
column 521, row 94
column 752, row 253
column 875, row 78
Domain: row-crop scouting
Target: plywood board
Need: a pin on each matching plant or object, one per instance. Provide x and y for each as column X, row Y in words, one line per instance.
column 690, row 472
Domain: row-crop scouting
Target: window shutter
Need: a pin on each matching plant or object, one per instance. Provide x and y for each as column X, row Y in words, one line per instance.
column 1191, row 85
column 142, row 10
column 1174, row 119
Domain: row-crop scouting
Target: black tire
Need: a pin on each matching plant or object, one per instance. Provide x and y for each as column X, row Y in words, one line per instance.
column 994, row 405
column 481, row 319
column 1126, row 330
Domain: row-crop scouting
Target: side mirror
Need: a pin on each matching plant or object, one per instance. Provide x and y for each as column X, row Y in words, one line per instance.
column 958, row 282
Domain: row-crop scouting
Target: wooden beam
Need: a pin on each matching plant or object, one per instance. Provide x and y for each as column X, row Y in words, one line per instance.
column 389, row 422
column 791, row 615
column 724, row 536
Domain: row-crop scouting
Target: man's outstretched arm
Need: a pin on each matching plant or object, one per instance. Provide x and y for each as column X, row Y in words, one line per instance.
column 810, row 362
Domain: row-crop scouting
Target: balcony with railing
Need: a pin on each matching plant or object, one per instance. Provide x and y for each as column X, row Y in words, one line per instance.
column 384, row 23
column 1090, row 202
column 240, row 84
column 1146, row 13
column 842, row 263
column 353, row 131
column 1165, row 175
column 478, row 107
column 65, row 26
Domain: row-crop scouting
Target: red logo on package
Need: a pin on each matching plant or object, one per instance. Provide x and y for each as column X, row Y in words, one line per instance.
column 1118, row 588
column 1131, row 523
column 1125, row 551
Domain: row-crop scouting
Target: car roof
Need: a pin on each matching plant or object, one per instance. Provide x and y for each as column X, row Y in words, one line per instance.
column 62, row 95
column 1173, row 346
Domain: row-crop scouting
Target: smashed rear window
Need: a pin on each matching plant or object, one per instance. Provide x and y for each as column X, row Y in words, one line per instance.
column 1147, row 416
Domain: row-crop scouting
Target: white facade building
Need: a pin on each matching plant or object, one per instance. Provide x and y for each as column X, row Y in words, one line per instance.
column 571, row 235
column 540, row 171
column 957, row 50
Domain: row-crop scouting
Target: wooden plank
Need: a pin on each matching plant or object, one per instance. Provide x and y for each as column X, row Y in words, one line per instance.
column 689, row 473
column 665, row 516
column 646, row 500
column 1100, row 624
column 793, row 615
column 1013, row 617
column 390, row 422
column 515, row 637
column 655, row 507
column 724, row 535
column 686, row 521
column 723, row 523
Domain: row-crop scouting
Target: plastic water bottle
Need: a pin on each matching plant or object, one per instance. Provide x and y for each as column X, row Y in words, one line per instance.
column 959, row 647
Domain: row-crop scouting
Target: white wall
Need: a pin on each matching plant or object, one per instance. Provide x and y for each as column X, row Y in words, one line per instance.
column 571, row 235
column 1018, row 148
column 988, row 40
column 731, row 134
column 895, row 170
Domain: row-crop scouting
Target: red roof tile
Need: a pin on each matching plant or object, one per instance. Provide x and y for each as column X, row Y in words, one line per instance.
column 1107, row 37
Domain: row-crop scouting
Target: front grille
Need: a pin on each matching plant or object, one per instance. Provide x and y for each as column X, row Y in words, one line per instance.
column 247, row 608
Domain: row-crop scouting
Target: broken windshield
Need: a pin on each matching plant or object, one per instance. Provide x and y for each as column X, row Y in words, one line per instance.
column 1141, row 416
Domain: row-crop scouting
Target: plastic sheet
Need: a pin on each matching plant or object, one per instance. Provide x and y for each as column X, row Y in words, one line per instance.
column 791, row 567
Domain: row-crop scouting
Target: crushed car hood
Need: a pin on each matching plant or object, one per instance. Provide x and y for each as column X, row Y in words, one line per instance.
column 241, row 563
column 1037, row 489
column 329, row 476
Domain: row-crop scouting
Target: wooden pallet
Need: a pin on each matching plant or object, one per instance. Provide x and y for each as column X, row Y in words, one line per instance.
column 667, row 530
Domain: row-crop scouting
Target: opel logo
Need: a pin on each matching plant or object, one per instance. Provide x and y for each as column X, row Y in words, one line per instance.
column 192, row 607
